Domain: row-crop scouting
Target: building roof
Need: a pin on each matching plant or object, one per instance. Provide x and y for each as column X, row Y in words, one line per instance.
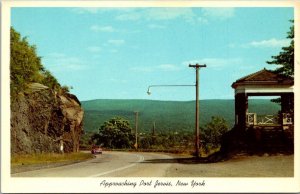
column 263, row 77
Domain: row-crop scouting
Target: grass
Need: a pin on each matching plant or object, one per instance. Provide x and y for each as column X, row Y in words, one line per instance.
column 48, row 158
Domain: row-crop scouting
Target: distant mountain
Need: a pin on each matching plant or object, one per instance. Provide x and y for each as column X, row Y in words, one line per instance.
column 167, row 115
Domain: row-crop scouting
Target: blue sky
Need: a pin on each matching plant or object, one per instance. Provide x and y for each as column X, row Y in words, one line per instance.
column 116, row 53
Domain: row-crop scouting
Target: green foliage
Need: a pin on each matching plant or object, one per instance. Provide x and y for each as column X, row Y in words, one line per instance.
column 49, row 80
column 86, row 141
column 166, row 140
column 213, row 132
column 285, row 59
column 26, row 66
column 65, row 89
column 115, row 133
column 168, row 115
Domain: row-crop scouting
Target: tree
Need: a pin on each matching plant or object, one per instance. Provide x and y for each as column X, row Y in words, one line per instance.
column 213, row 132
column 115, row 133
column 285, row 59
column 26, row 66
column 50, row 81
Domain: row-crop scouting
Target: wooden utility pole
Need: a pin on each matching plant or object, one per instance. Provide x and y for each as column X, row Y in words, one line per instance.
column 197, row 131
column 136, row 129
column 153, row 129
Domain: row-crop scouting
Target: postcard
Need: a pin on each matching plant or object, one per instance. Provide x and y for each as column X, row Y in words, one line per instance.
column 149, row 96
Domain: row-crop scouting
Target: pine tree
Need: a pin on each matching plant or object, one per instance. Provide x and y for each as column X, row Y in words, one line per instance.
column 285, row 59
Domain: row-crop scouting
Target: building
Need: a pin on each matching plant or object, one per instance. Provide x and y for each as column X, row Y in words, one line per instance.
column 265, row 132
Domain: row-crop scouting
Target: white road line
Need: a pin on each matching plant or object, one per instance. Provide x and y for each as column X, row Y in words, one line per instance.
column 141, row 158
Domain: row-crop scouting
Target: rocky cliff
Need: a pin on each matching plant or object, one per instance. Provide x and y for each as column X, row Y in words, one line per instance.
column 43, row 121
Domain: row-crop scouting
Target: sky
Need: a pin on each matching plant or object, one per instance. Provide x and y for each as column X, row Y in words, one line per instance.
column 116, row 53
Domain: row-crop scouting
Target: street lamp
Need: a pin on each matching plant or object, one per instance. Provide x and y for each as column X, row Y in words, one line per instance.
column 197, row 131
column 149, row 92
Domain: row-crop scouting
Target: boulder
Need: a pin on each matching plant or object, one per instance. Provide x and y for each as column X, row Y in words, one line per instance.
column 42, row 121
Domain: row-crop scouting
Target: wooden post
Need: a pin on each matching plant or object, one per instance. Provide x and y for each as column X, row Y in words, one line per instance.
column 197, row 131
column 241, row 107
column 136, row 129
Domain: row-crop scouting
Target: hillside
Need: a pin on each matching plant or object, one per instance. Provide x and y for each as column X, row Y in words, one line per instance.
column 167, row 115
column 44, row 117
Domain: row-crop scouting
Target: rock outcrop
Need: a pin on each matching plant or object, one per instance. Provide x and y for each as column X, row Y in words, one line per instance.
column 43, row 121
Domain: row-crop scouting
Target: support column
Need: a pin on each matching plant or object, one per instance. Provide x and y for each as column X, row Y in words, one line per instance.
column 241, row 108
column 287, row 102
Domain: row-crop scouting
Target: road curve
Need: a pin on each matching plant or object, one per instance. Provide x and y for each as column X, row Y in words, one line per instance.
column 108, row 164
column 142, row 164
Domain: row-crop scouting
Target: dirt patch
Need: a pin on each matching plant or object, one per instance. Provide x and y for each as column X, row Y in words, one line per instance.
column 238, row 166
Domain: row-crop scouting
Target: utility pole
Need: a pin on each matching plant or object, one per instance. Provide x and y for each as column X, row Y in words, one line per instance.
column 153, row 129
column 136, row 129
column 197, row 132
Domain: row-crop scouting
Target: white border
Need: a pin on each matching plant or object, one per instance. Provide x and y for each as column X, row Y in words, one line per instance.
column 91, row 185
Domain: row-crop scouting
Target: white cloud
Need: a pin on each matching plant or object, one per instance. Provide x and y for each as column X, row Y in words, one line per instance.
column 232, row 45
column 169, row 13
column 167, row 67
column 122, row 81
column 113, row 50
column 54, row 55
column 156, row 26
column 218, row 13
column 270, row 43
column 132, row 16
column 90, row 10
column 156, row 14
column 216, row 63
column 202, row 20
column 97, row 10
column 70, row 63
column 59, row 62
column 94, row 49
column 97, row 28
column 116, row 42
column 162, row 67
column 142, row 69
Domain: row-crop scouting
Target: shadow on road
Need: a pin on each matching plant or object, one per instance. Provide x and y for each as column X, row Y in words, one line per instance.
column 217, row 157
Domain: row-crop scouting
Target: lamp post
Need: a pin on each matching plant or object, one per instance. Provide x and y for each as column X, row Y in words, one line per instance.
column 149, row 92
column 197, row 131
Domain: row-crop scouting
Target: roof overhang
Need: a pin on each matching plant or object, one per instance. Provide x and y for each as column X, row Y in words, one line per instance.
column 261, row 83
column 264, row 79
column 270, row 89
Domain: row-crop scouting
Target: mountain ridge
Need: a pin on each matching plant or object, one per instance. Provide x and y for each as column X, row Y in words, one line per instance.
column 167, row 115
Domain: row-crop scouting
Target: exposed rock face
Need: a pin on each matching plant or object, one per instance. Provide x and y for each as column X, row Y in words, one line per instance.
column 42, row 120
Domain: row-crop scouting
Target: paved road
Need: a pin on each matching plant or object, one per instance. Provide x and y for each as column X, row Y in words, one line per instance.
column 125, row 164
column 108, row 164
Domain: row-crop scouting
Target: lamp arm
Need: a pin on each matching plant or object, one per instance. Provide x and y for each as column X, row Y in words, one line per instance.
column 148, row 91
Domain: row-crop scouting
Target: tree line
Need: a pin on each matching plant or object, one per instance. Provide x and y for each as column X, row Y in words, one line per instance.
column 117, row 133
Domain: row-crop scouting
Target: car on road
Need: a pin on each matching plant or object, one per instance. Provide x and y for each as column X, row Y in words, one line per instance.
column 96, row 150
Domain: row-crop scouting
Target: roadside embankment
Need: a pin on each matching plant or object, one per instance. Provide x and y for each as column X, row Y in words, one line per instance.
column 22, row 163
